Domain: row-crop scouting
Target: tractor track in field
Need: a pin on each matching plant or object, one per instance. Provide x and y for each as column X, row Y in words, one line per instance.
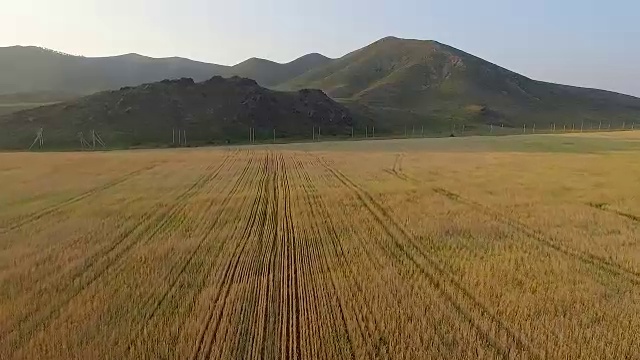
column 181, row 268
column 606, row 208
column 198, row 184
column 52, row 209
column 293, row 278
column 367, row 331
column 459, row 297
column 203, row 346
column 173, row 283
column 258, row 219
column 318, row 210
column 246, row 339
column 28, row 323
column 546, row 240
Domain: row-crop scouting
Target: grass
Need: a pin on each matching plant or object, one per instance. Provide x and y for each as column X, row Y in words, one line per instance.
column 482, row 247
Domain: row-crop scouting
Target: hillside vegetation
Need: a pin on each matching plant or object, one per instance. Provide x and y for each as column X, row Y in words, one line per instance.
column 396, row 85
column 439, row 83
column 218, row 110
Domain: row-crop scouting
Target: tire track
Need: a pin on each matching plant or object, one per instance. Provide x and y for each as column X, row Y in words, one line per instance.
column 35, row 216
column 272, row 310
column 156, row 304
column 318, row 210
column 380, row 344
column 548, row 241
column 181, row 267
column 293, row 282
column 203, row 347
column 460, row 298
column 247, row 337
column 606, row 208
column 103, row 261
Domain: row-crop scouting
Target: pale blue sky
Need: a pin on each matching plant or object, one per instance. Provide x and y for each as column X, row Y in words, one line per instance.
column 578, row 42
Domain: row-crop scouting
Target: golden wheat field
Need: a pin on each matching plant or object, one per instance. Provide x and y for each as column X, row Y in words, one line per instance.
column 516, row 247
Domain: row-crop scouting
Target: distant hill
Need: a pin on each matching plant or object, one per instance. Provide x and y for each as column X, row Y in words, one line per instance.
column 425, row 82
column 218, row 110
column 269, row 73
column 393, row 84
column 33, row 69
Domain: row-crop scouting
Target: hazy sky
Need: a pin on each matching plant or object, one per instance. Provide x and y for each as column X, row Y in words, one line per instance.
column 591, row 43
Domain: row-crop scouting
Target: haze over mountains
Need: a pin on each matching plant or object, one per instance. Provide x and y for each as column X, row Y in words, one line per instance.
column 33, row 69
column 392, row 83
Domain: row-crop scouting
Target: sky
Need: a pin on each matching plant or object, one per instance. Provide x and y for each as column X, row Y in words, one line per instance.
column 577, row 42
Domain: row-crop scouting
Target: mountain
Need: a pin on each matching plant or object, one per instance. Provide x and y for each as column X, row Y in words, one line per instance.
column 269, row 73
column 429, row 83
column 33, row 69
column 392, row 84
column 218, row 110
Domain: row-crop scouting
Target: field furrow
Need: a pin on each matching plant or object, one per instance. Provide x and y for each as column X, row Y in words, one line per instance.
column 110, row 259
column 586, row 258
column 320, row 251
column 22, row 221
column 496, row 332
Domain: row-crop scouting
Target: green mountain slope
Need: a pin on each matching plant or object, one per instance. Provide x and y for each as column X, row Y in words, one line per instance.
column 434, row 83
column 218, row 110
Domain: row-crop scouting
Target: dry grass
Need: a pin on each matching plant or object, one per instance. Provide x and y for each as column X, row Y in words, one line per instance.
column 412, row 251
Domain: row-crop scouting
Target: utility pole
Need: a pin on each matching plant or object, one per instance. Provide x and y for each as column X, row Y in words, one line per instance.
column 83, row 141
column 274, row 135
column 184, row 137
column 96, row 138
column 373, row 131
column 352, row 132
column 524, row 128
column 314, row 133
column 366, row 132
column 38, row 139
column 173, row 136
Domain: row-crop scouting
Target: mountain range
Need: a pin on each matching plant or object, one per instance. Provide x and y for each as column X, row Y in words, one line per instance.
column 33, row 69
column 392, row 83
